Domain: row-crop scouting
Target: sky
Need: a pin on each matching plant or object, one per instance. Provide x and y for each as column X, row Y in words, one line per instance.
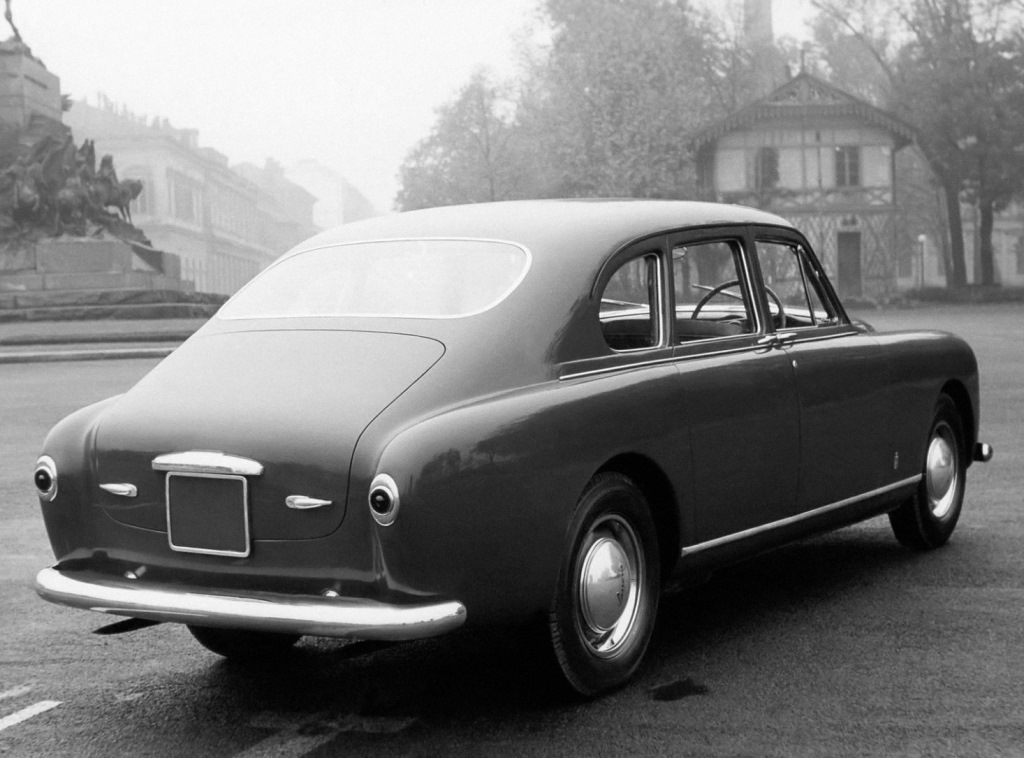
column 354, row 84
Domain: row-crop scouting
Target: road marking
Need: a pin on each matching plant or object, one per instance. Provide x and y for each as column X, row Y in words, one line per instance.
column 26, row 713
column 16, row 692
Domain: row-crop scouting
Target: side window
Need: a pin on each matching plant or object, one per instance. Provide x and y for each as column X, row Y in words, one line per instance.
column 629, row 305
column 794, row 294
column 711, row 299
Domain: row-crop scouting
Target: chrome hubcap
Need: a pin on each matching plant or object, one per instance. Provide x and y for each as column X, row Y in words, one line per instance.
column 941, row 471
column 610, row 577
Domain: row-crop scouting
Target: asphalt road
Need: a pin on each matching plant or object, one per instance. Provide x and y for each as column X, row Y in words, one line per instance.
column 844, row 645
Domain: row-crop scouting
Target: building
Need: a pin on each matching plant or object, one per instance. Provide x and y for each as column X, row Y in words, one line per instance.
column 824, row 160
column 225, row 222
column 338, row 202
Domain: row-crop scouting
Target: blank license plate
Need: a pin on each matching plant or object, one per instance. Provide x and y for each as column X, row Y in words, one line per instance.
column 208, row 513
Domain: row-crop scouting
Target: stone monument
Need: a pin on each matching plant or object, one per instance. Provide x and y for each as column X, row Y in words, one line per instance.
column 65, row 220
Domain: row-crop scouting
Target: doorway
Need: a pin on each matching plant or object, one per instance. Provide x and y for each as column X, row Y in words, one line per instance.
column 849, row 264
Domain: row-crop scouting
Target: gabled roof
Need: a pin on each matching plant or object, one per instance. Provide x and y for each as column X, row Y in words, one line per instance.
column 809, row 98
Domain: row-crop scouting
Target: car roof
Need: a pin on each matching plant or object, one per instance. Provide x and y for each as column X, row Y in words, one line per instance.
column 587, row 228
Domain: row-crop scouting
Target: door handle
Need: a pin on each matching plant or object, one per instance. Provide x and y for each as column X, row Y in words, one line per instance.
column 303, row 503
column 776, row 340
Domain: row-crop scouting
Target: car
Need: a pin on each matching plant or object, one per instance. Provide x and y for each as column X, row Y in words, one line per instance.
column 530, row 414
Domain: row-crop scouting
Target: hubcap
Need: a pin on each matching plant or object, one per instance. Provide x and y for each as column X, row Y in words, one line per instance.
column 610, row 577
column 941, row 471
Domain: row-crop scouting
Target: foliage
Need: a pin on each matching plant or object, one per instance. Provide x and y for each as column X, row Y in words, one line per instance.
column 607, row 111
column 954, row 70
column 470, row 156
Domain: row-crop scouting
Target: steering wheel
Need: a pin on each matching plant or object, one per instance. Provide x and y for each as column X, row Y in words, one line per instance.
column 712, row 291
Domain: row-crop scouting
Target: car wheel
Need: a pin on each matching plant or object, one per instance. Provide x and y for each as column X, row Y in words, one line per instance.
column 243, row 644
column 607, row 597
column 928, row 518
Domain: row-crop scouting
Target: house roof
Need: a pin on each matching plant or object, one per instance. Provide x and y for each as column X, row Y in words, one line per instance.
column 808, row 98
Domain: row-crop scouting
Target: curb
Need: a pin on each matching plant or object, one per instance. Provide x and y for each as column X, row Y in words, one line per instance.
column 53, row 356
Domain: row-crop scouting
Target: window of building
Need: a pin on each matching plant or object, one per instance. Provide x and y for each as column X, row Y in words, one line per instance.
column 766, row 168
column 848, row 166
column 1020, row 255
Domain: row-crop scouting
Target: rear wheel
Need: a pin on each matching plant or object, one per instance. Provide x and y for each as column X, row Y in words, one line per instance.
column 927, row 519
column 604, row 608
column 243, row 644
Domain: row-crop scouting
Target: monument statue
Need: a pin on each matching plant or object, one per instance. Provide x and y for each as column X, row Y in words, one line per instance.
column 57, row 189
column 10, row 20
column 49, row 186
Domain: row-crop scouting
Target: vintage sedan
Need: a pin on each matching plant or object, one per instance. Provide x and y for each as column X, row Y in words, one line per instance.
column 535, row 412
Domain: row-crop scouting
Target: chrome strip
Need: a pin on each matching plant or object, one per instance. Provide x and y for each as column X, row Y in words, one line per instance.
column 766, row 342
column 658, row 361
column 207, row 462
column 260, row 611
column 799, row 517
column 123, row 489
column 245, row 515
column 303, row 503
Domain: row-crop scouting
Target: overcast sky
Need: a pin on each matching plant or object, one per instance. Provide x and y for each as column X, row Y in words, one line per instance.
column 352, row 83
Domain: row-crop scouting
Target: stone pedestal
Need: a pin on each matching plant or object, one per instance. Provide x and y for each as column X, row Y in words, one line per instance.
column 86, row 264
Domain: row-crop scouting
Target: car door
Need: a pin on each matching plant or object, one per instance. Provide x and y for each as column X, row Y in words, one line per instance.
column 739, row 396
column 840, row 372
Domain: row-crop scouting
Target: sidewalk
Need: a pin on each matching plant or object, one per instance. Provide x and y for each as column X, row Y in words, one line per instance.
column 37, row 341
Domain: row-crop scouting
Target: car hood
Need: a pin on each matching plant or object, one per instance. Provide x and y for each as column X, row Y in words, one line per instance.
column 294, row 401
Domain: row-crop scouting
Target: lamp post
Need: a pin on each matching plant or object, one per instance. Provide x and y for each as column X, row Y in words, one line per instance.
column 921, row 239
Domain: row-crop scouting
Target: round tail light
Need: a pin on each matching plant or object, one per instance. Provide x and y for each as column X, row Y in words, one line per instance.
column 384, row 499
column 45, row 478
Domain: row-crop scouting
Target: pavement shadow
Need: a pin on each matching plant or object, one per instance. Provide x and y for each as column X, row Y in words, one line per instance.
column 472, row 674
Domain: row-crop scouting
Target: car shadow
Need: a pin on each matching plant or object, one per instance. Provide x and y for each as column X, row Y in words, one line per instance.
column 471, row 674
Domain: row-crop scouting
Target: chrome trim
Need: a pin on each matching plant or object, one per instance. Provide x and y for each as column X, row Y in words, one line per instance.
column 207, row 462
column 512, row 288
column 245, row 511
column 983, row 452
column 386, row 484
column 660, row 361
column 122, row 489
column 47, row 464
column 259, row 611
column 691, row 549
column 303, row 503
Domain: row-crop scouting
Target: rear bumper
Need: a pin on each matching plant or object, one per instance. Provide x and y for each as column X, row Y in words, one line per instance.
column 259, row 611
column 983, row 452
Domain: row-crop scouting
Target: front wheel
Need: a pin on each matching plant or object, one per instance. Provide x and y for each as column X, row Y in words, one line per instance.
column 607, row 597
column 243, row 644
column 927, row 519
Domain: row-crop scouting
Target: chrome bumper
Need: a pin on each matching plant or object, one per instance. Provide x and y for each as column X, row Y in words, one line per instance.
column 983, row 452
column 260, row 611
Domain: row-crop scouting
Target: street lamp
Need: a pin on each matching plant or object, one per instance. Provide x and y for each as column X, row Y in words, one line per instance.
column 921, row 239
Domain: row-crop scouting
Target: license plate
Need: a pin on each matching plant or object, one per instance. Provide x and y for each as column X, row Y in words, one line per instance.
column 208, row 513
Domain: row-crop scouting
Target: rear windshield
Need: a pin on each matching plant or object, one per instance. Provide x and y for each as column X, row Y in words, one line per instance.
column 394, row 278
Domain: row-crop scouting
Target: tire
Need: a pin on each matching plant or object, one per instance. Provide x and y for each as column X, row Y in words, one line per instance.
column 927, row 519
column 243, row 644
column 606, row 601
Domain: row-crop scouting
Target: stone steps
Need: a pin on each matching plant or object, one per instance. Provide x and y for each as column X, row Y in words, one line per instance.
column 82, row 305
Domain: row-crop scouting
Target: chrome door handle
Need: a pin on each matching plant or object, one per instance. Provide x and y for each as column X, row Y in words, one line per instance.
column 118, row 488
column 303, row 503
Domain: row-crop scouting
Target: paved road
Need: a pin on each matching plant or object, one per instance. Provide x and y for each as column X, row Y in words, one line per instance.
column 843, row 645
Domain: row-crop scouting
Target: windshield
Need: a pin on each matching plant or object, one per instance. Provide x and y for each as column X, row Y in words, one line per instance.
column 394, row 278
